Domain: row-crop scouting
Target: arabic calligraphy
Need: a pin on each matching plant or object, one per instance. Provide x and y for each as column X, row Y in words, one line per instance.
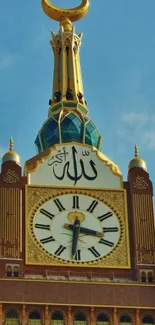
column 72, row 165
column 11, row 177
column 140, row 183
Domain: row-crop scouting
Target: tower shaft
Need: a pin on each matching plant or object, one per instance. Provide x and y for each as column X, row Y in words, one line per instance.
column 67, row 78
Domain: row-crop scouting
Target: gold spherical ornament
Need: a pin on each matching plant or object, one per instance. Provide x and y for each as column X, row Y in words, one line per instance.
column 137, row 162
column 11, row 155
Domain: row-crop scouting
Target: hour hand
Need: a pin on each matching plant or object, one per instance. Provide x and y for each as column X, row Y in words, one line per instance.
column 85, row 231
column 90, row 232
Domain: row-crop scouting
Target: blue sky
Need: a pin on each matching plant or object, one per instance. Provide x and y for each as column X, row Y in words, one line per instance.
column 118, row 64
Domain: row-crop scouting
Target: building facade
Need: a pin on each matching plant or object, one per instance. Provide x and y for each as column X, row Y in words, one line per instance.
column 77, row 242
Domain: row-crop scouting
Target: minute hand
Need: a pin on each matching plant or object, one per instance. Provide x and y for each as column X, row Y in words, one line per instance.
column 85, row 231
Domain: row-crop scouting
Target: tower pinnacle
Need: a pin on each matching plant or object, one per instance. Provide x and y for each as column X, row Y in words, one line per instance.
column 68, row 119
column 136, row 151
column 137, row 161
column 11, row 155
column 11, row 145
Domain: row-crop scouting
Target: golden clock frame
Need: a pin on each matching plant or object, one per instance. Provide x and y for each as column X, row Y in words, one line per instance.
column 114, row 198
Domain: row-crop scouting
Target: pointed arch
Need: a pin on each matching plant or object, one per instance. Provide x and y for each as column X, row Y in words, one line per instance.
column 80, row 319
column 9, row 270
column 102, row 319
column 150, row 276
column 34, row 318
column 16, row 271
column 143, row 276
column 11, row 317
column 57, row 318
column 125, row 320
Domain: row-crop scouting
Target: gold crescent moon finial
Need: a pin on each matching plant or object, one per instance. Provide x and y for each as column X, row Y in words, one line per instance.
column 60, row 14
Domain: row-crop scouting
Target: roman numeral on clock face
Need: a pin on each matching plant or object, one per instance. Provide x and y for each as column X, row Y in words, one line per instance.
column 92, row 206
column 75, row 202
column 110, row 229
column 47, row 214
column 94, row 251
column 60, row 250
column 47, row 240
column 105, row 216
column 106, row 242
column 59, row 205
column 41, row 226
column 78, row 255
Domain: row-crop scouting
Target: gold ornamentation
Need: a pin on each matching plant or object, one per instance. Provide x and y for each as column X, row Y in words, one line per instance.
column 11, row 177
column 11, row 146
column 140, row 183
column 115, row 199
column 61, row 14
column 34, row 163
column 72, row 216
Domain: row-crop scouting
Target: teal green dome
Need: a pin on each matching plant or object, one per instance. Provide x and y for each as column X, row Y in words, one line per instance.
column 67, row 127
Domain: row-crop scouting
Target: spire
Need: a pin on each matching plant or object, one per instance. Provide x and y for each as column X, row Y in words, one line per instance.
column 67, row 79
column 11, row 146
column 11, row 155
column 136, row 151
column 137, row 161
column 67, row 115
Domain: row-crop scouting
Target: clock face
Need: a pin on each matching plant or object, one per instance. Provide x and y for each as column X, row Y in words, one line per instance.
column 77, row 228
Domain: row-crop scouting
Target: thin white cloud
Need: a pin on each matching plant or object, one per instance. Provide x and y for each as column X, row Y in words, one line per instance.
column 136, row 127
column 135, row 118
column 148, row 138
column 7, row 60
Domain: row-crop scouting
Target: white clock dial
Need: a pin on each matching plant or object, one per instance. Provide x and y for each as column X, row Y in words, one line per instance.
column 56, row 222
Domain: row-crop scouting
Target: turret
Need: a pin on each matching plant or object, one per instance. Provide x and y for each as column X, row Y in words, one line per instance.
column 141, row 217
column 12, row 185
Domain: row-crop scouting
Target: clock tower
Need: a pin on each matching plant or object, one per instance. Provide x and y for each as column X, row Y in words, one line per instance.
column 77, row 242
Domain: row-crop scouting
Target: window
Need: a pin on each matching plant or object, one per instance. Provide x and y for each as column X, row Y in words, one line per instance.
column 92, row 136
column 143, row 276
column 72, row 128
column 12, row 270
column 150, row 277
column 102, row 320
column 9, row 270
column 147, row 320
column 80, row 319
column 11, row 318
column 57, row 318
column 125, row 320
column 16, row 271
column 34, row 318
column 49, row 134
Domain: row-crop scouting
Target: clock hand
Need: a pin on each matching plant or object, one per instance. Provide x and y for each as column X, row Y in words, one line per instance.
column 84, row 230
column 76, row 231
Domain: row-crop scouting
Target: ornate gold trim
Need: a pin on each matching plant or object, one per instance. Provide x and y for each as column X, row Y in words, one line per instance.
column 115, row 199
column 33, row 164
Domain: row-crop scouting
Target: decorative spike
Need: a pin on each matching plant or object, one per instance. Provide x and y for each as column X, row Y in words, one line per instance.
column 136, row 151
column 11, row 146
